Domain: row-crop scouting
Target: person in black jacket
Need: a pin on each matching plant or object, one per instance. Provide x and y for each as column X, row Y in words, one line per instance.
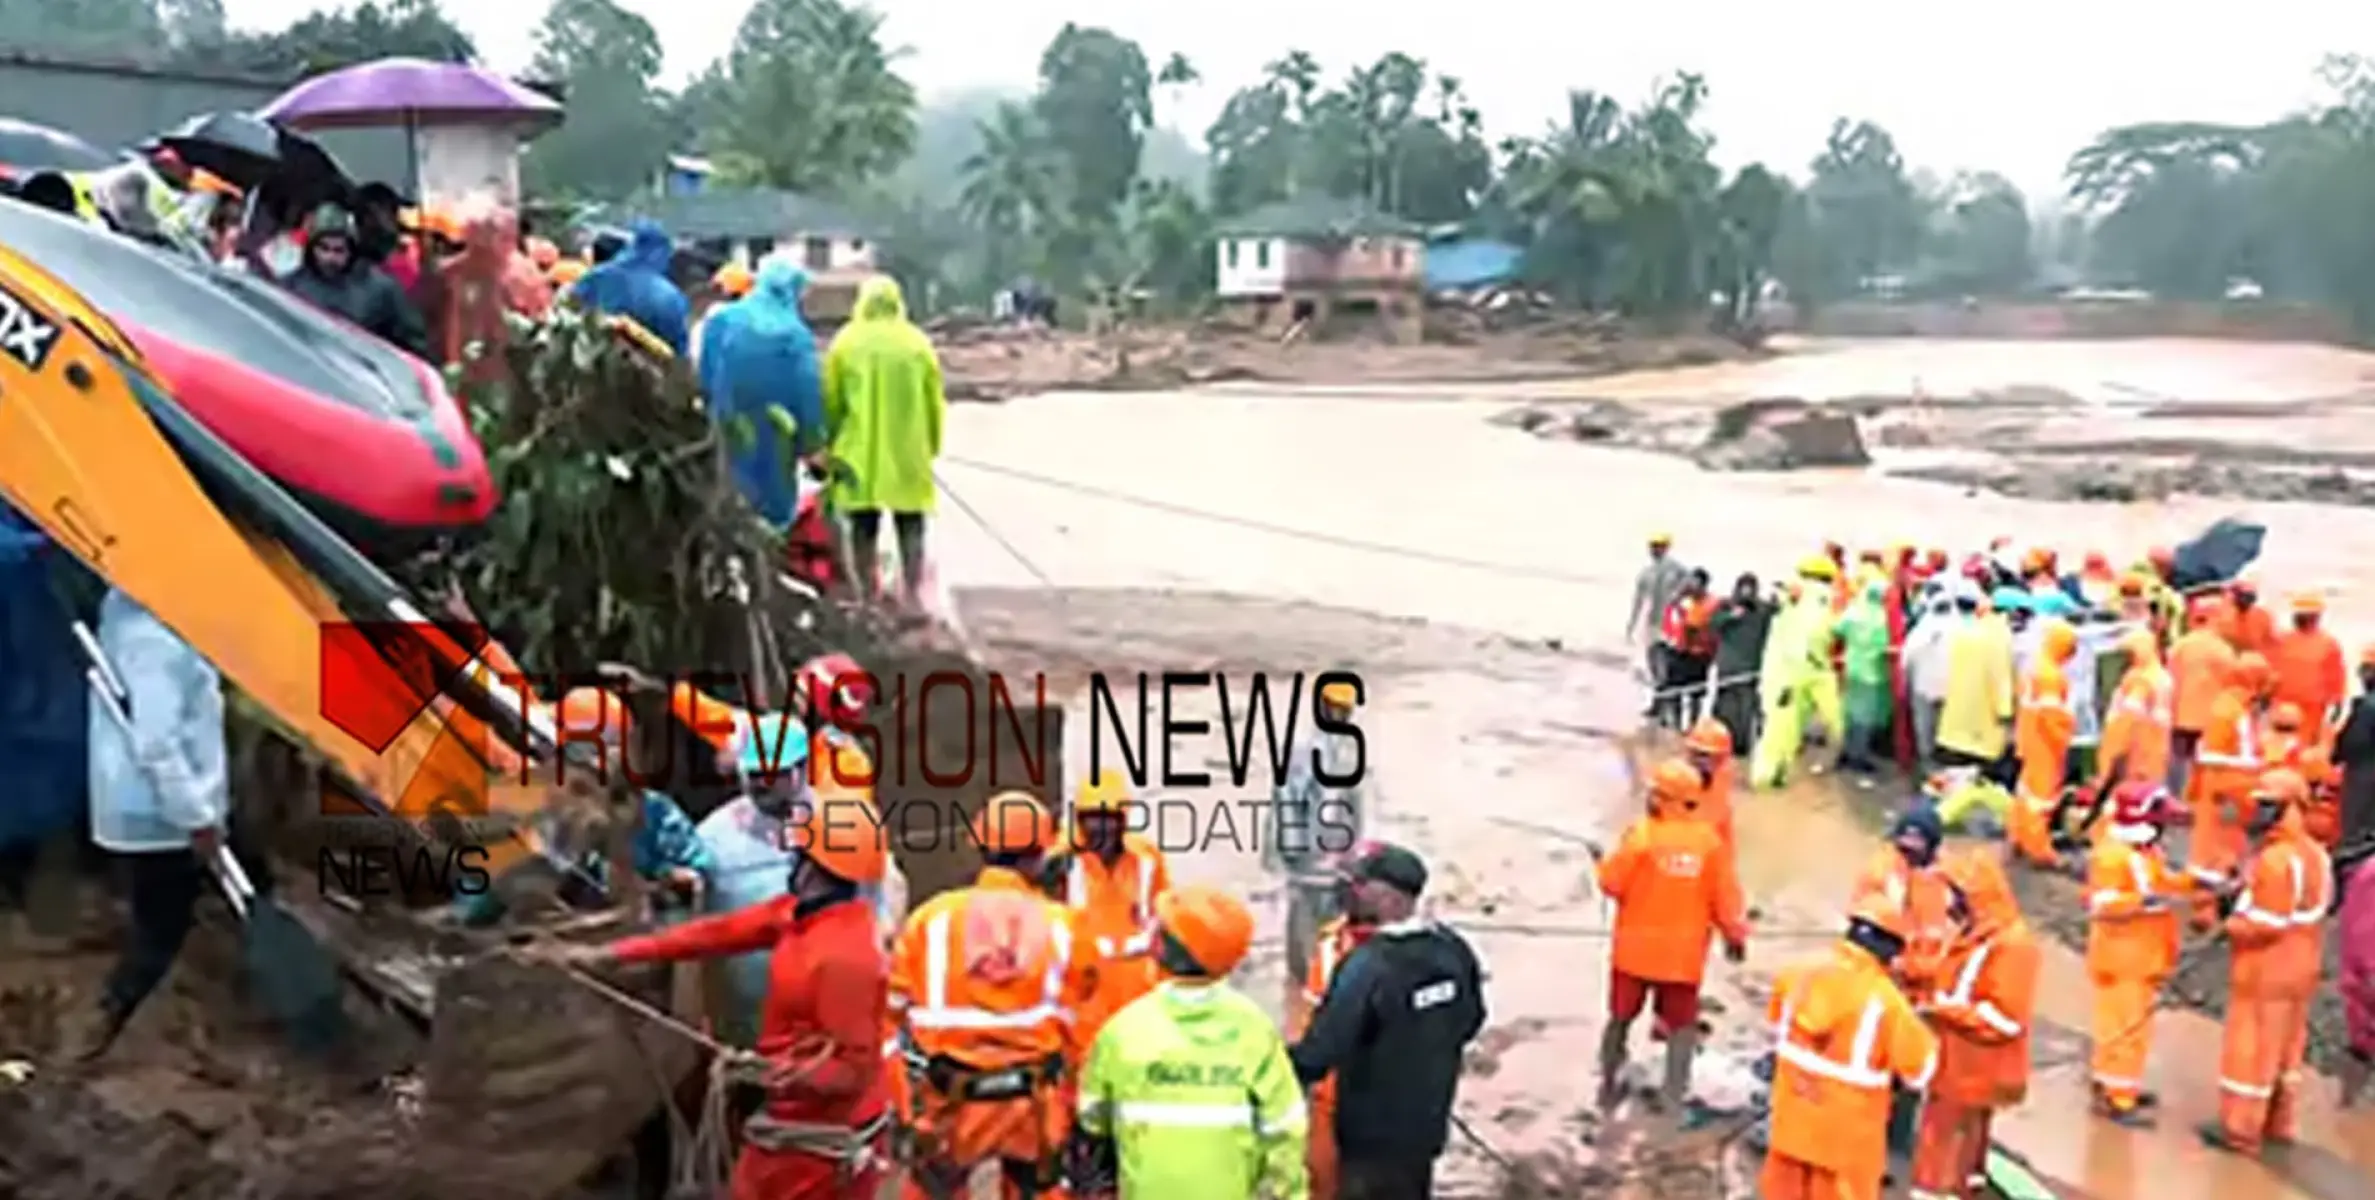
column 2354, row 753
column 1740, row 626
column 336, row 279
column 1393, row 1028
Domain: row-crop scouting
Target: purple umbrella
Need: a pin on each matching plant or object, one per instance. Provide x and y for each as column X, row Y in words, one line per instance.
column 411, row 92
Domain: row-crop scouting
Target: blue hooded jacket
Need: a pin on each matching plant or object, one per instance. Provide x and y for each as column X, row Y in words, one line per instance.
column 758, row 354
column 635, row 285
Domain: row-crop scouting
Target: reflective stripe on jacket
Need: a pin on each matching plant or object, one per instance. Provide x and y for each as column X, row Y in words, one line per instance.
column 1193, row 1084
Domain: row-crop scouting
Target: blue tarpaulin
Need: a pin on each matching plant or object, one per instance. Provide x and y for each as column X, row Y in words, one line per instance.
column 1473, row 262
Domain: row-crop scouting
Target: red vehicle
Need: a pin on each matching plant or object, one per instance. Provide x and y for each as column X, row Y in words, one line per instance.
column 365, row 434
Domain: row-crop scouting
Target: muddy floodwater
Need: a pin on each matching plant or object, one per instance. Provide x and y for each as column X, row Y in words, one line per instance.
column 1480, row 579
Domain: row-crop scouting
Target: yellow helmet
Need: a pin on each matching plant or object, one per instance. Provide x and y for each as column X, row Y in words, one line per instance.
column 1343, row 694
column 1106, row 791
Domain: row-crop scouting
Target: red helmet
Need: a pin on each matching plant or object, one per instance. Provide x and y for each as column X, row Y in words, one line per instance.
column 838, row 687
column 2140, row 802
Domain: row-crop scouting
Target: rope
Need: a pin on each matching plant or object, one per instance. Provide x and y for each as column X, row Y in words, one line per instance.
column 1316, row 537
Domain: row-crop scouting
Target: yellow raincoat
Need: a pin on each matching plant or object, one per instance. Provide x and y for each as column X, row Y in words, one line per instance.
column 1977, row 715
column 884, row 406
column 1795, row 677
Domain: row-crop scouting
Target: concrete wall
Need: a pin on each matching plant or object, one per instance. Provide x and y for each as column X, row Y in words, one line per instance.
column 2250, row 320
column 1250, row 266
column 112, row 107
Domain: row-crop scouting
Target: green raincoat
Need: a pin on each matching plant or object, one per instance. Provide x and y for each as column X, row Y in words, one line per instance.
column 884, row 404
column 1863, row 630
column 1193, row 1084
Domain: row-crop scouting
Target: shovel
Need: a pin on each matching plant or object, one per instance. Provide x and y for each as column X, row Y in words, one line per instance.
column 294, row 977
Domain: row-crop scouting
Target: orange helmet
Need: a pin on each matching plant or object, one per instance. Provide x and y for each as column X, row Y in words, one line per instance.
column 595, row 711
column 1674, row 787
column 1212, row 926
column 2251, row 672
column 2286, row 717
column 2060, row 640
column 566, row 272
column 840, row 767
column 844, row 837
column 733, row 279
column 2134, row 583
column 1710, row 737
column 1012, row 823
column 2095, row 563
column 2308, row 604
column 2281, row 786
column 1106, row 792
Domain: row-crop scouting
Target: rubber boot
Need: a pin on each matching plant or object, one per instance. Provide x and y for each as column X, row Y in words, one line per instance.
column 1612, row 1063
column 1682, row 1045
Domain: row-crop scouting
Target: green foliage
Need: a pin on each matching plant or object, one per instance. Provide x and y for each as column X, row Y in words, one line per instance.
column 617, row 131
column 617, row 514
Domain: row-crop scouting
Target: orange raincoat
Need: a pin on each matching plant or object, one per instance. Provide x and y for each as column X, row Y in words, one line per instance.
column 2277, row 929
column 1113, row 909
column 2137, row 729
column 2309, row 668
column 2226, row 765
column 2046, row 722
column 1920, row 894
column 2200, row 663
column 983, row 982
column 1982, row 1013
column 1675, row 888
column 1842, row 1035
column 2132, row 940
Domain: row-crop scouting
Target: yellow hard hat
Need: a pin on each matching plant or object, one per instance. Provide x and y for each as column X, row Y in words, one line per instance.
column 1342, row 693
column 1816, row 566
column 1107, row 791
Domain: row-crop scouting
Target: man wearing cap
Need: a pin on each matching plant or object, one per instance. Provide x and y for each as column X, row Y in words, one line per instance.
column 1313, row 822
column 335, row 278
column 1392, row 1028
column 1654, row 589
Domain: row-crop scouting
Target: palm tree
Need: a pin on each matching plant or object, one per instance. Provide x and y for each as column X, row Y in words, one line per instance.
column 1010, row 182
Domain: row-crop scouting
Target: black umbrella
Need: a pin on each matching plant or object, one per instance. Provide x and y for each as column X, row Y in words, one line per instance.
column 26, row 148
column 2217, row 555
column 240, row 147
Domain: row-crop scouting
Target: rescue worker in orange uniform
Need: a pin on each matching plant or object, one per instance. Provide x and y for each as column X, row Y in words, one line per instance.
column 2043, row 727
column 2309, row 668
column 1709, row 748
column 1904, row 875
column 1981, row 1012
column 2200, row 663
column 2138, row 728
column 1337, row 940
column 1674, row 887
column 2322, row 816
column 823, row 1131
column 2275, row 924
column 2227, row 764
column 1109, row 877
column 2281, row 740
column 984, row 981
column 1843, row 1035
column 2248, row 627
column 2132, row 939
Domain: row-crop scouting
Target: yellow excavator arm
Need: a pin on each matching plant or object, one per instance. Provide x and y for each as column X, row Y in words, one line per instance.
column 82, row 458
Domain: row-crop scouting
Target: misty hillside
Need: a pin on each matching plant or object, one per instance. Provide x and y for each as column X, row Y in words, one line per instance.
column 947, row 133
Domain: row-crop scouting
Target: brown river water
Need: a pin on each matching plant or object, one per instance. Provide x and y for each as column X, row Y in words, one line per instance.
column 1481, row 577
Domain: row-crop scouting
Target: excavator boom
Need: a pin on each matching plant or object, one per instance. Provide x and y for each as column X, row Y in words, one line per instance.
column 95, row 453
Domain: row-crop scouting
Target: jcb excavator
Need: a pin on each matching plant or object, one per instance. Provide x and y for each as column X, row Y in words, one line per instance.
column 523, row 1074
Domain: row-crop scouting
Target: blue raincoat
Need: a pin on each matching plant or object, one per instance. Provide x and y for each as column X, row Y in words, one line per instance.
column 758, row 357
column 635, row 285
column 44, row 749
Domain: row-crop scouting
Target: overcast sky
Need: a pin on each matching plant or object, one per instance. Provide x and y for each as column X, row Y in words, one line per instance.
column 2012, row 85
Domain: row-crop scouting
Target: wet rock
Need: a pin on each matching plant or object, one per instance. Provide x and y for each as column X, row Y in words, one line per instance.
column 1785, row 440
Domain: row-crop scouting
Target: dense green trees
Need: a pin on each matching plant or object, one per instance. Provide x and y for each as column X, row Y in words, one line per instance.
column 1621, row 202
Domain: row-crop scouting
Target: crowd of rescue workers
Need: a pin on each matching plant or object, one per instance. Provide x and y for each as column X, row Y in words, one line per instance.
column 2078, row 715
column 1068, row 1017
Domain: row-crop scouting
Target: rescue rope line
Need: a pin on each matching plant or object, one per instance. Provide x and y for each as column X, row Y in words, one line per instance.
column 1316, row 537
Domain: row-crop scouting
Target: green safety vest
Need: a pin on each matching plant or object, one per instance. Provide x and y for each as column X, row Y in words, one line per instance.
column 1193, row 1085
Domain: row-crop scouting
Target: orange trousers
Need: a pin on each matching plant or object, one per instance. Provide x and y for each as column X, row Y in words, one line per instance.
column 957, row 1136
column 1786, row 1178
column 2259, row 1069
column 2122, row 1031
column 1952, row 1147
column 2216, row 843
